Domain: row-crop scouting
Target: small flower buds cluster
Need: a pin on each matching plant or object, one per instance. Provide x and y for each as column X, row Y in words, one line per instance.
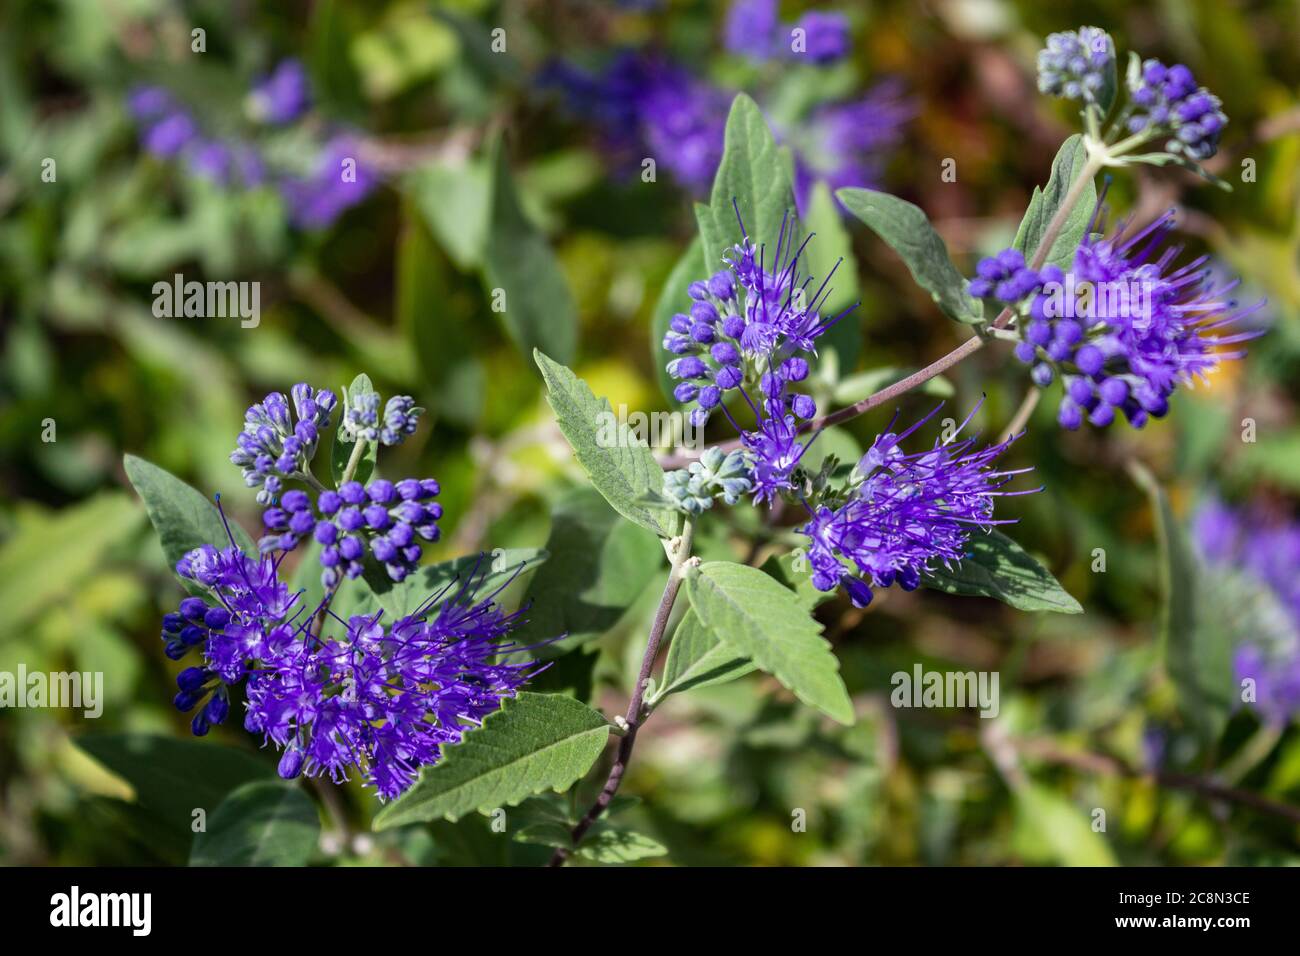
column 1006, row 279
column 382, row 517
column 362, row 422
column 1167, row 100
column 273, row 447
column 1075, row 65
column 694, row 488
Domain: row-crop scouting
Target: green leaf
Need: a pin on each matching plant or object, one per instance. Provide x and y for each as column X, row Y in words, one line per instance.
column 757, row 617
column 341, row 454
column 535, row 742
column 1197, row 624
column 698, row 659
column 1070, row 161
column 1170, row 159
column 621, row 467
column 832, row 243
column 260, row 824
column 539, row 309
column 752, row 177
column 183, row 518
column 49, row 556
column 455, row 201
column 1051, row 829
column 997, row 567
column 673, row 299
column 599, row 564
column 405, row 597
column 907, row 231
column 603, row 843
column 173, row 778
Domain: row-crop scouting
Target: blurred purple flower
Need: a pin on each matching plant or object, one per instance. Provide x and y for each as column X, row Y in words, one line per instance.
column 826, row 36
column 338, row 181
column 282, row 96
column 751, row 29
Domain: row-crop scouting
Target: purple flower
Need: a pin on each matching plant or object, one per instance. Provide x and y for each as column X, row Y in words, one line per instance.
column 1168, row 101
column 1075, row 65
column 282, row 96
column 383, row 518
column 1263, row 548
column 845, row 143
column 169, row 135
column 338, row 181
column 906, row 514
column 386, row 700
column 748, row 322
column 273, row 447
column 751, row 29
column 826, row 36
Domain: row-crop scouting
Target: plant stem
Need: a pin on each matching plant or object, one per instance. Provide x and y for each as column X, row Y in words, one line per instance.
column 1021, row 417
column 680, row 556
column 358, row 452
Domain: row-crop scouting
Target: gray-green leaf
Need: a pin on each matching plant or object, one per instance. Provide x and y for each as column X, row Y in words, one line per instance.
column 765, row 622
column 267, row 823
column 698, row 659
column 539, row 309
column 907, row 231
column 752, row 176
column 1066, row 168
column 535, row 742
column 599, row 564
column 621, row 467
column 997, row 567
column 183, row 518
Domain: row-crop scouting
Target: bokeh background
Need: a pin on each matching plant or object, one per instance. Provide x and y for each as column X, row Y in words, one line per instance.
column 390, row 278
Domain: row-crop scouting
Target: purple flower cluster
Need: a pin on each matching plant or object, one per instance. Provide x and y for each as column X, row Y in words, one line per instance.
column 645, row 105
column 753, row 30
column 1145, row 325
column 382, row 700
column 905, row 513
column 247, row 610
column 1167, row 100
column 316, row 193
column 169, row 131
column 753, row 322
column 1265, row 548
column 1075, row 65
column 281, row 96
column 1007, row 279
column 273, row 448
column 386, row 700
column 382, row 517
column 746, row 321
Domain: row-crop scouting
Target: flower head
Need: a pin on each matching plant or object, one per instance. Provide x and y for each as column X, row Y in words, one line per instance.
column 1252, row 548
column 1168, row 101
column 826, row 36
column 273, row 446
column 386, row 700
column 906, row 513
column 283, row 95
column 385, row 518
column 338, row 180
column 1075, row 64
